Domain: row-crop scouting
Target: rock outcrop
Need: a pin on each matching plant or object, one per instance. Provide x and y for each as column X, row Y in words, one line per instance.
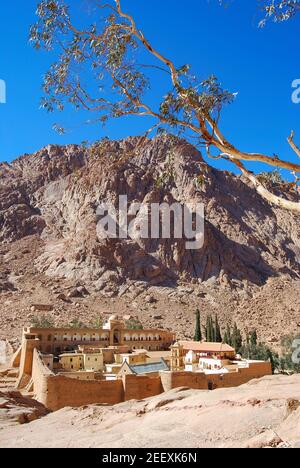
column 55, row 193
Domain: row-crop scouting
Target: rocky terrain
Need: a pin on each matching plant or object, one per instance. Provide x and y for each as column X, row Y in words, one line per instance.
column 263, row 413
column 16, row 409
column 50, row 254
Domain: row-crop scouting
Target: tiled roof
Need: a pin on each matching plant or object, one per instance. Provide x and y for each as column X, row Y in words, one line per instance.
column 206, row 347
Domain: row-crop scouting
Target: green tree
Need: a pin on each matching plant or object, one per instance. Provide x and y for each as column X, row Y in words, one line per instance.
column 290, row 356
column 228, row 336
column 237, row 340
column 218, row 335
column 134, row 324
column 253, row 338
column 280, row 10
column 97, row 322
column 198, row 332
column 259, row 351
column 42, row 321
column 76, row 323
column 209, row 330
column 277, row 11
column 103, row 48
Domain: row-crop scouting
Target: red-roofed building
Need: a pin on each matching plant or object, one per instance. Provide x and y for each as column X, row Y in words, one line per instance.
column 200, row 350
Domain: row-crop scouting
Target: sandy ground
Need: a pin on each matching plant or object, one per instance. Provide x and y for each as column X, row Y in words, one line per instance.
column 263, row 413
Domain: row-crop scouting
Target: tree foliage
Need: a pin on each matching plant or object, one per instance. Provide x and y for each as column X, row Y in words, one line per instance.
column 286, row 361
column 209, row 330
column 43, row 321
column 218, row 335
column 198, row 331
column 134, row 324
column 76, row 323
column 106, row 46
column 280, row 10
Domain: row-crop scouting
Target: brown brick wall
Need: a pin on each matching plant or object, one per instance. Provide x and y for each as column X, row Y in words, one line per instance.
column 58, row 391
column 243, row 376
column 193, row 380
column 63, row 392
column 201, row 381
column 138, row 387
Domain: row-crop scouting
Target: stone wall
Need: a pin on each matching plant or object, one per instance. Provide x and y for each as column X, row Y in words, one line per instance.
column 242, row 376
column 193, row 380
column 59, row 391
column 202, row 381
column 138, row 387
column 63, row 391
column 40, row 375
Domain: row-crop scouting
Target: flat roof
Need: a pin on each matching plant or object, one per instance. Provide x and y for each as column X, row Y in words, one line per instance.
column 155, row 354
column 71, row 355
column 151, row 367
column 94, row 330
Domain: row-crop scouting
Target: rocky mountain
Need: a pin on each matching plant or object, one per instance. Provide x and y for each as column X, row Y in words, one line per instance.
column 248, row 269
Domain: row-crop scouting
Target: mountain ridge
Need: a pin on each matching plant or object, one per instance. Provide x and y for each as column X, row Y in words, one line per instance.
column 48, row 204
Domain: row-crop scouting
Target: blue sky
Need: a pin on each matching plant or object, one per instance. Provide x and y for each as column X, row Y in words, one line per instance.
column 259, row 64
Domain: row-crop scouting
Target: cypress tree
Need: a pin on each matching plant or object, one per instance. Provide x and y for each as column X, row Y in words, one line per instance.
column 218, row 336
column 237, row 340
column 227, row 336
column 209, row 329
column 198, row 332
column 225, row 339
column 212, row 330
column 234, row 336
column 214, row 334
column 253, row 338
column 247, row 339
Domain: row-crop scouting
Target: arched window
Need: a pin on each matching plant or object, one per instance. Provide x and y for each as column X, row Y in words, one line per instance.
column 117, row 336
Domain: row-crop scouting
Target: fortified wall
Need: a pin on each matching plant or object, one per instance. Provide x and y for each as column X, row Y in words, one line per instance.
column 59, row 391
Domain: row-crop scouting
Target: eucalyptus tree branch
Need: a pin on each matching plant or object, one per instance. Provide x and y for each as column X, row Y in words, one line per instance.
column 264, row 192
column 293, row 144
column 194, row 109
